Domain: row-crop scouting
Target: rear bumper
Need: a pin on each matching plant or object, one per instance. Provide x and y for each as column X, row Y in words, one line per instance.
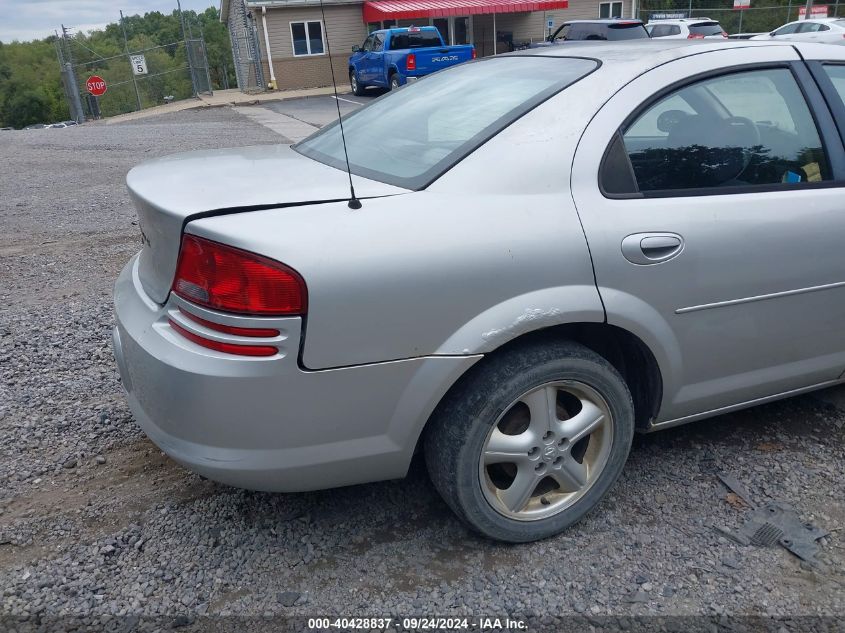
column 263, row 423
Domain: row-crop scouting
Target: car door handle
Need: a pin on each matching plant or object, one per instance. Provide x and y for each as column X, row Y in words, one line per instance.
column 644, row 249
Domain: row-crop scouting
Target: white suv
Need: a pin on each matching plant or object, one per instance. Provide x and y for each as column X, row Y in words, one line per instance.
column 824, row 30
column 686, row 29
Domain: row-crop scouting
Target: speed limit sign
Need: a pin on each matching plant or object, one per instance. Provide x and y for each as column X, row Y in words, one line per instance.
column 139, row 64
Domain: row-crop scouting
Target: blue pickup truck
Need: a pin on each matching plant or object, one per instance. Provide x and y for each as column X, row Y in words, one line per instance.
column 392, row 57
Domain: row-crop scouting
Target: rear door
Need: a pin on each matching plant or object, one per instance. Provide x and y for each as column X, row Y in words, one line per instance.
column 715, row 217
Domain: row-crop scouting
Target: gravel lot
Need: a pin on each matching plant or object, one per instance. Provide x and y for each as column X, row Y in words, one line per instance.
column 96, row 522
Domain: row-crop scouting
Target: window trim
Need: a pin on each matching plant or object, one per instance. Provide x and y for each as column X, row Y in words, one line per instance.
column 834, row 101
column 819, row 111
column 307, row 38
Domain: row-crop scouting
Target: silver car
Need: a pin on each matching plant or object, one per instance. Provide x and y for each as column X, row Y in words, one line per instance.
column 553, row 250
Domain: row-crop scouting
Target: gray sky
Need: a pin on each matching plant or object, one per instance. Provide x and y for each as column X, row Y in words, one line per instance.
column 35, row 19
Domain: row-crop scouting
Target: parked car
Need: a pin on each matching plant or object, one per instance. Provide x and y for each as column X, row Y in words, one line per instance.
column 70, row 123
column 390, row 58
column 548, row 251
column 612, row 30
column 36, row 126
column 6, row 129
column 57, row 126
column 821, row 30
column 686, row 29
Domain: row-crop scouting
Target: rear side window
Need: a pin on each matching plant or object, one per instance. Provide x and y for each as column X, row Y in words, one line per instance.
column 706, row 29
column 788, row 29
column 743, row 129
column 424, row 39
column 837, row 77
column 665, row 30
column 402, row 140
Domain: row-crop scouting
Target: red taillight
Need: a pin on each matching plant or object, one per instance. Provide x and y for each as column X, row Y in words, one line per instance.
column 225, row 278
column 695, row 36
column 474, row 53
column 228, row 348
column 411, row 62
column 724, row 34
column 255, row 332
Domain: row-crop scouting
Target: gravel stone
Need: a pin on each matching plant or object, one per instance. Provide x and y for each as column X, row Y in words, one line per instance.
column 288, row 598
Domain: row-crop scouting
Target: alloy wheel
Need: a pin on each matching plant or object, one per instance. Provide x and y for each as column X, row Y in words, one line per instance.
column 546, row 450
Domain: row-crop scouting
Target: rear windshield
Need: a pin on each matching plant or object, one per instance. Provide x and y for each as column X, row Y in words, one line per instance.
column 706, row 28
column 603, row 31
column 634, row 31
column 410, row 137
column 415, row 40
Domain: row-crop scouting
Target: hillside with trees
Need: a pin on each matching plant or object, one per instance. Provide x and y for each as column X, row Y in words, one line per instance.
column 30, row 80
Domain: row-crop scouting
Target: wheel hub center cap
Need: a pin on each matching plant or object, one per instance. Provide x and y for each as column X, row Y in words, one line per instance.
column 549, row 453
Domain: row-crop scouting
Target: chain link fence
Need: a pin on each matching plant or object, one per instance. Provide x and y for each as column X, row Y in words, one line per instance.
column 245, row 48
column 135, row 79
column 749, row 20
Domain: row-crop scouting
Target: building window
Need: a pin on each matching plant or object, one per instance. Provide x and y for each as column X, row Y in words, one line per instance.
column 610, row 10
column 307, row 38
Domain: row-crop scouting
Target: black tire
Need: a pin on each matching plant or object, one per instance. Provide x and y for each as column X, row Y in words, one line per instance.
column 357, row 88
column 458, row 431
column 393, row 82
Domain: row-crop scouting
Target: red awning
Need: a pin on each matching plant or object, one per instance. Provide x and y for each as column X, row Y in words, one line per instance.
column 377, row 10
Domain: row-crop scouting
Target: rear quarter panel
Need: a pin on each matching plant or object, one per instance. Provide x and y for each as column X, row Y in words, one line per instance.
column 491, row 250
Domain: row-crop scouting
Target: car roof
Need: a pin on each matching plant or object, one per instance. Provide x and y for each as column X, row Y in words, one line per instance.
column 684, row 20
column 606, row 21
column 642, row 55
column 402, row 29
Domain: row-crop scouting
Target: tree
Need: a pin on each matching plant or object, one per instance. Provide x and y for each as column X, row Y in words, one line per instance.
column 26, row 107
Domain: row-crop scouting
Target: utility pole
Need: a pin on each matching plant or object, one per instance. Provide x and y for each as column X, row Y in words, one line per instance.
column 808, row 10
column 69, row 53
column 129, row 59
column 187, row 50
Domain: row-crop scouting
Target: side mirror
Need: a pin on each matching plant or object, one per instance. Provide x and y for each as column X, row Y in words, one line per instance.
column 355, row 48
column 772, row 34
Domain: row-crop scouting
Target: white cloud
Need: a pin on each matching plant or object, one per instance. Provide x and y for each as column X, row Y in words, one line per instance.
column 37, row 19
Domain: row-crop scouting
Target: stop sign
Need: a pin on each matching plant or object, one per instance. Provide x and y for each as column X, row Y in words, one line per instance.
column 96, row 85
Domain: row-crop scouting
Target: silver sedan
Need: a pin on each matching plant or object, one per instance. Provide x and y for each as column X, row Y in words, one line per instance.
column 545, row 253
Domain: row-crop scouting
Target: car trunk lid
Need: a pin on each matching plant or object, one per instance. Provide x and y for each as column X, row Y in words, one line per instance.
column 170, row 191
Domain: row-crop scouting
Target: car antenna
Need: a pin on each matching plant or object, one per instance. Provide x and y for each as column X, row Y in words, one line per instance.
column 354, row 202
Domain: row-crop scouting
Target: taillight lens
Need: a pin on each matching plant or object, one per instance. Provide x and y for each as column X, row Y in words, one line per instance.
column 411, row 62
column 474, row 53
column 695, row 36
column 225, row 278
